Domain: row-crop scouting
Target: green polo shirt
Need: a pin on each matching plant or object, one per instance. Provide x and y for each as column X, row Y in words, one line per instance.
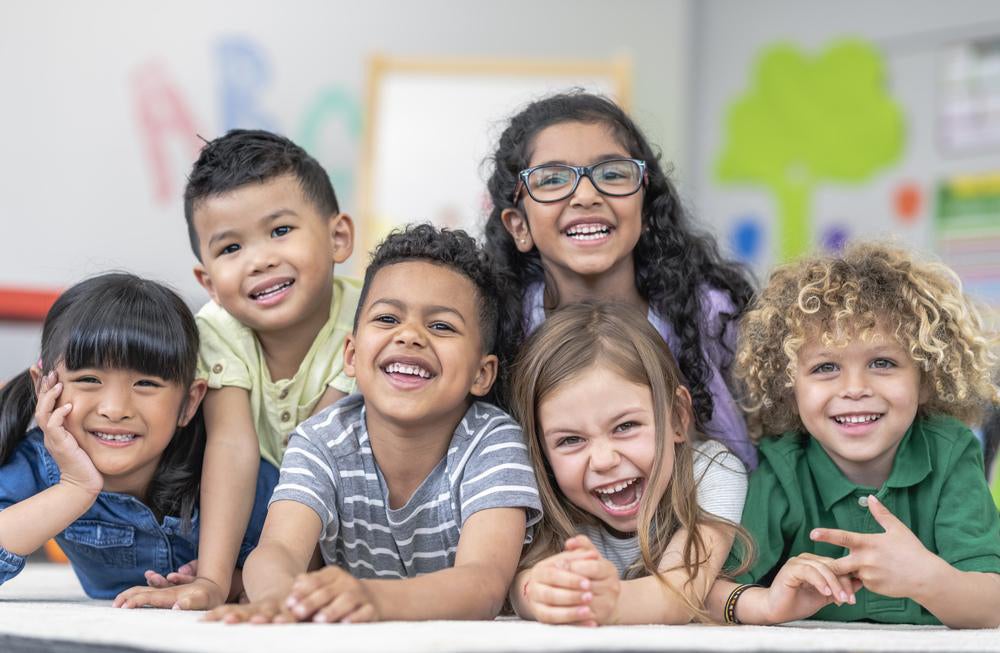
column 936, row 487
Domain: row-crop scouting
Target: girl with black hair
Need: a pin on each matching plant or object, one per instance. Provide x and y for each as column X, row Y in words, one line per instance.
column 583, row 211
column 101, row 441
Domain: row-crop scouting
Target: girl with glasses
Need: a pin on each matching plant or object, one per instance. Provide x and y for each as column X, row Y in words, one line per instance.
column 582, row 210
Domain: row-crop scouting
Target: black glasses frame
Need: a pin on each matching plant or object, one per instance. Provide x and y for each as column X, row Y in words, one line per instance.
column 581, row 172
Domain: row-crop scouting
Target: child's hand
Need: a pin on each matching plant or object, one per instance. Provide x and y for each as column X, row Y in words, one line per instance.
column 199, row 594
column 803, row 585
column 603, row 575
column 75, row 466
column 331, row 595
column 887, row 563
column 258, row 612
column 185, row 574
column 558, row 595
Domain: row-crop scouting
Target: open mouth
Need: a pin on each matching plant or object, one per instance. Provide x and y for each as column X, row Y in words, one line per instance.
column 114, row 438
column 407, row 372
column 851, row 420
column 586, row 232
column 621, row 498
column 271, row 291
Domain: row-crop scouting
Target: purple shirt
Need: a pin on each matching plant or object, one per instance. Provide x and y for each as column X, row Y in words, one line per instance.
column 727, row 424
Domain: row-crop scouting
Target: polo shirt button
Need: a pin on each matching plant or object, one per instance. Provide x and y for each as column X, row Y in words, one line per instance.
column 285, row 441
column 283, row 394
column 863, row 502
column 285, row 416
column 217, row 368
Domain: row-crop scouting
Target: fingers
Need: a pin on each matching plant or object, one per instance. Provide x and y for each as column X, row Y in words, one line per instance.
column 351, row 603
column 177, row 578
column 595, row 570
column 837, row 537
column 558, row 596
column 579, row 543
column 143, row 597
column 563, row 615
column 883, row 515
column 816, row 571
column 556, row 576
column 256, row 613
column 154, row 579
column 127, row 594
column 189, row 568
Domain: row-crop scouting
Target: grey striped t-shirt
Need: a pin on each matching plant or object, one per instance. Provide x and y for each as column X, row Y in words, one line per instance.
column 329, row 467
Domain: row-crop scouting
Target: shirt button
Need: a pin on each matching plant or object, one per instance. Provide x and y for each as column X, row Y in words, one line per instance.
column 285, row 416
column 283, row 394
column 863, row 502
column 217, row 368
column 285, row 441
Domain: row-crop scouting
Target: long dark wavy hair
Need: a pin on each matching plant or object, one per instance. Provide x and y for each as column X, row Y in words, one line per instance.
column 674, row 261
column 121, row 321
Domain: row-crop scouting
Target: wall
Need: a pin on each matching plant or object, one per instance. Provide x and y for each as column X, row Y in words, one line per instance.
column 103, row 101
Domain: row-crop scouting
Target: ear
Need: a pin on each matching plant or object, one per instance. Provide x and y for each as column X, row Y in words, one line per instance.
column 349, row 353
column 516, row 224
column 194, row 396
column 35, row 371
column 683, row 414
column 487, row 374
column 205, row 281
column 342, row 233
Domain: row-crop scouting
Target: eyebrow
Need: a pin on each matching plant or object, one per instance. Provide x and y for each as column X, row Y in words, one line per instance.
column 270, row 217
column 598, row 159
column 430, row 309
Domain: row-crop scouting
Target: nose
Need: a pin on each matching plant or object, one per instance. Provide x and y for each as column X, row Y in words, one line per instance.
column 586, row 193
column 409, row 334
column 603, row 455
column 115, row 404
column 855, row 384
column 264, row 257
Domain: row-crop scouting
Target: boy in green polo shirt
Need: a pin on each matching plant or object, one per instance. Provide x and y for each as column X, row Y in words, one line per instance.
column 873, row 505
column 266, row 229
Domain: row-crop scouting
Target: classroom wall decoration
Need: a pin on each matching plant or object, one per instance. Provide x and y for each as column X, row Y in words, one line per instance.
column 808, row 120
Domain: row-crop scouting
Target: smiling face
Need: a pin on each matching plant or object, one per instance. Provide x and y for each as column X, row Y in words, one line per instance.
column 417, row 353
column 124, row 419
column 588, row 233
column 858, row 401
column 267, row 254
column 599, row 436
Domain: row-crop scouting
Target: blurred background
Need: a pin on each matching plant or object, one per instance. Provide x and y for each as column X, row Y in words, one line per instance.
column 789, row 125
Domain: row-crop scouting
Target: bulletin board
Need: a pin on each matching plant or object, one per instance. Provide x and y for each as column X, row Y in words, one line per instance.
column 432, row 124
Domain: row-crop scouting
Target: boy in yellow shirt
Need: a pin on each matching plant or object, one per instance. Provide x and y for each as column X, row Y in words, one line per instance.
column 265, row 226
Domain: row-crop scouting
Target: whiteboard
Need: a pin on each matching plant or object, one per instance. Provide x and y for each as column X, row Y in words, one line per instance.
column 434, row 123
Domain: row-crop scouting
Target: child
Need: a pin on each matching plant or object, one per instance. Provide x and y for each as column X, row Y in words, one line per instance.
column 418, row 494
column 264, row 224
column 609, row 428
column 620, row 234
column 111, row 466
column 868, row 361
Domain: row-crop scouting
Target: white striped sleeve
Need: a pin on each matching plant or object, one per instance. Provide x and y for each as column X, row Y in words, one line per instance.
column 308, row 477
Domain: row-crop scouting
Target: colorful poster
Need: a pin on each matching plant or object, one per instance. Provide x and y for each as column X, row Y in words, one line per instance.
column 967, row 232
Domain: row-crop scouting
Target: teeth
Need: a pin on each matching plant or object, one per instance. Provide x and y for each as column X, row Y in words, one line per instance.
column 856, row 419
column 271, row 290
column 618, row 487
column 588, row 231
column 412, row 370
column 115, row 437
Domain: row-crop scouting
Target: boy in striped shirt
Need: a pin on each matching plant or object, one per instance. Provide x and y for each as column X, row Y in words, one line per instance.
column 419, row 494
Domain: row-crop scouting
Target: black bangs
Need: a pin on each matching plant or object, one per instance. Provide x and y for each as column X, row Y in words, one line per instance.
column 127, row 323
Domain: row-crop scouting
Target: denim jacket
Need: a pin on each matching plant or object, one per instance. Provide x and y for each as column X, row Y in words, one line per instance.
column 118, row 538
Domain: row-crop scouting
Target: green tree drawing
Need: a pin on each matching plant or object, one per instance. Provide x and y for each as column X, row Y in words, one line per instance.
column 809, row 119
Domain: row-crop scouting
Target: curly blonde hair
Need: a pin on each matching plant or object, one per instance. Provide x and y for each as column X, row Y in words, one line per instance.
column 868, row 288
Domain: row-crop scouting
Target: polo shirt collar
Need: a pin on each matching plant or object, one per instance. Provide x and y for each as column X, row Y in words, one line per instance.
column 911, row 465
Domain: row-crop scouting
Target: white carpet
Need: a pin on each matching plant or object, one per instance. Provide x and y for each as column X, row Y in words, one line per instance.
column 44, row 609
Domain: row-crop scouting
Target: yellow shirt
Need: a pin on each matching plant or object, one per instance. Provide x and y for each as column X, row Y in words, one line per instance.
column 231, row 355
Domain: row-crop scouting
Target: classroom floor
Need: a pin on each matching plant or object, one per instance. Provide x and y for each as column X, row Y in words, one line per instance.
column 44, row 609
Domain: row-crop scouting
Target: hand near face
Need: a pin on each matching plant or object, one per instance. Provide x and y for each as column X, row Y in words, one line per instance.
column 331, row 595
column 75, row 466
column 884, row 562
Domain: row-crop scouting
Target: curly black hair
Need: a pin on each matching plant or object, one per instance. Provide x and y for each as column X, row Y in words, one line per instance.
column 453, row 249
column 674, row 262
column 253, row 156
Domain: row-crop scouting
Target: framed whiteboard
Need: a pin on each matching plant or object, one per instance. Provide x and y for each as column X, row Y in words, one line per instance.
column 433, row 123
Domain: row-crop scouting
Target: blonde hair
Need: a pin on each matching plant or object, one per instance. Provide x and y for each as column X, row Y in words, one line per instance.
column 567, row 344
column 869, row 287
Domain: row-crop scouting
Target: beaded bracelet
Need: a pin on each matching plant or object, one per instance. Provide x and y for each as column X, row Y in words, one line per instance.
column 734, row 596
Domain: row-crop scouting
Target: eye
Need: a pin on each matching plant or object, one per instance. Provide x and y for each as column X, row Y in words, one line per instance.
column 825, row 368
column 624, row 427
column 278, row 232
column 441, row 326
column 883, row 364
column 86, row 378
column 149, row 383
column 568, row 441
column 229, row 249
column 550, row 177
column 386, row 318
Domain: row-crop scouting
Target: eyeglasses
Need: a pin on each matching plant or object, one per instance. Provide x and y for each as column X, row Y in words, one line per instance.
column 553, row 182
